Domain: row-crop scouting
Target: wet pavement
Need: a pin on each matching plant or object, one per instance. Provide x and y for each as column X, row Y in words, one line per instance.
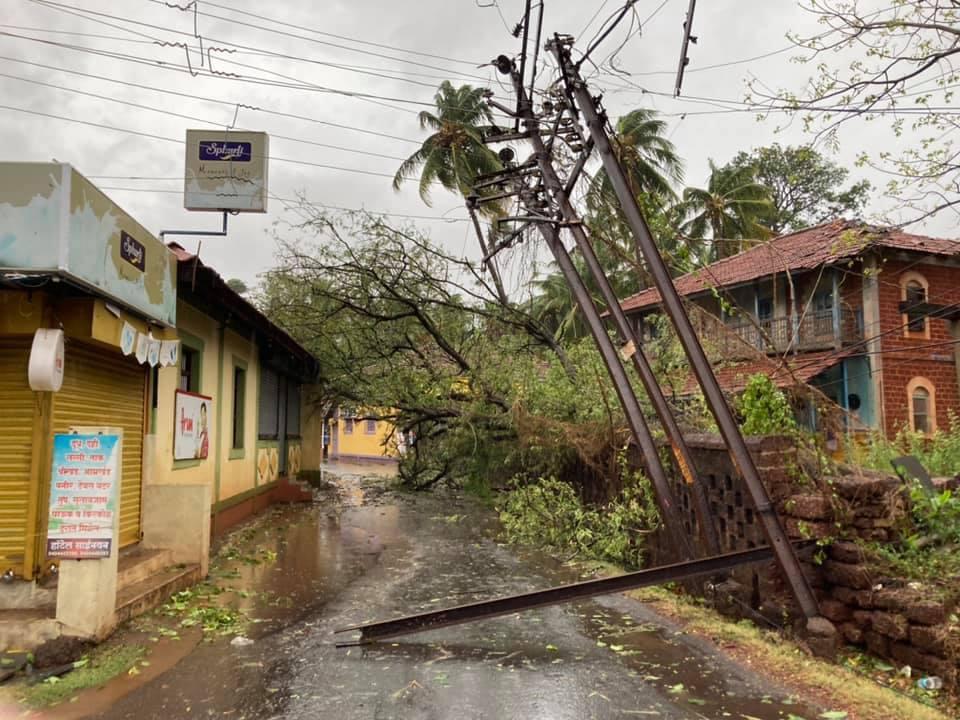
column 363, row 553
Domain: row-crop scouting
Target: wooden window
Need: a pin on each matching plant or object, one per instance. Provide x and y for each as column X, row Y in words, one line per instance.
column 189, row 369
column 913, row 293
column 921, row 400
column 348, row 426
column 371, row 427
column 916, row 294
column 764, row 309
column 239, row 405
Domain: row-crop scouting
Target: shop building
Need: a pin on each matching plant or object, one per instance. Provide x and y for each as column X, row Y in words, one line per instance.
column 75, row 265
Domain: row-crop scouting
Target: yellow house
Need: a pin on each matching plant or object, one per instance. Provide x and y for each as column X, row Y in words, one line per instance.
column 357, row 435
column 250, row 373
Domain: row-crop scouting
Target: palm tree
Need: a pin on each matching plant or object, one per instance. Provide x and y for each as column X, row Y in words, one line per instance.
column 553, row 305
column 651, row 165
column 454, row 154
column 732, row 207
column 648, row 158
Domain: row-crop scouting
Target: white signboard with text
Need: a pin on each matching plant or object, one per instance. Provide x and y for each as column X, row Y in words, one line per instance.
column 226, row 170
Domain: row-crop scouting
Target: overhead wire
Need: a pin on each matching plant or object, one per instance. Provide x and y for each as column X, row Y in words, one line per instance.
column 107, row 98
column 87, row 13
column 154, row 136
column 327, row 34
column 293, row 201
column 245, row 50
column 205, row 98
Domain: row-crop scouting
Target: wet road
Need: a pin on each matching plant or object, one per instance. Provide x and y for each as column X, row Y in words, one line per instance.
column 375, row 555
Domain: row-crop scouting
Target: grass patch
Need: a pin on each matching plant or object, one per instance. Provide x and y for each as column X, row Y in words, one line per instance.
column 102, row 664
column 833, row 686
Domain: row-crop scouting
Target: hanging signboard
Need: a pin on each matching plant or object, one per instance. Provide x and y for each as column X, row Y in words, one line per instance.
column 226, row 170
column 83, row 495
column 191, row 426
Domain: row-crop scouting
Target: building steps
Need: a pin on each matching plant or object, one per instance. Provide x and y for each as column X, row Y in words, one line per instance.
column 149, row 592
column 138, row 564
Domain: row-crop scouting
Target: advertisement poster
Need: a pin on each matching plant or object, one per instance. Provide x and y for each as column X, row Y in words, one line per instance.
column 191, row 426
column 83, row 495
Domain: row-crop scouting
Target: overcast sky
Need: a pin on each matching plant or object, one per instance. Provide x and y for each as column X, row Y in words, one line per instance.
column 410, row 47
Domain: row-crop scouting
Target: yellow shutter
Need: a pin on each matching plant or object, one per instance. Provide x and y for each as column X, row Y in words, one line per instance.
column 103, row 388
column 16, row 437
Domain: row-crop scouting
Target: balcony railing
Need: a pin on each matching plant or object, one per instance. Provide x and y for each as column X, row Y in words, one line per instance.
column 816, row 330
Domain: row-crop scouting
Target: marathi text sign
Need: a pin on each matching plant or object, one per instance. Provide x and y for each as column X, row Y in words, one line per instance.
column 83, row 495
column 191, row 426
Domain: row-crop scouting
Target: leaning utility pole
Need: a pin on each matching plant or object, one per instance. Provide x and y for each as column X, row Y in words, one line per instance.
column 632, row 347
column 549, row 213
column 673, row 306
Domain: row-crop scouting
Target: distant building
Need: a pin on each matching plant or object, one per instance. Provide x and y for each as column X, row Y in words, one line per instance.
column 359, row 434
column 868, row 315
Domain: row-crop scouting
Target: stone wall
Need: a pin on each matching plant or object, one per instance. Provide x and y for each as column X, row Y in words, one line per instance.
column 893, row 619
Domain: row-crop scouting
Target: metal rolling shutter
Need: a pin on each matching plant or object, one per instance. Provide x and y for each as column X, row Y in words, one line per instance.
column 103, row 388
column 16, row 437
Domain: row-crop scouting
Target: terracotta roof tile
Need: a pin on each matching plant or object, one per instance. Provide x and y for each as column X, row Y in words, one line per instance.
column 733, row 376
column 804, row 250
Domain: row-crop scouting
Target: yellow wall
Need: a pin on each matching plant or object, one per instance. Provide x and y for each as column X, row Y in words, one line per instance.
column 238, row 467
column 164, row 470
column 361, row 444
column 237, row 471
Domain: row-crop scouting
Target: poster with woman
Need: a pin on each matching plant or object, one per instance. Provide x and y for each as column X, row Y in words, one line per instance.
column 191, row 426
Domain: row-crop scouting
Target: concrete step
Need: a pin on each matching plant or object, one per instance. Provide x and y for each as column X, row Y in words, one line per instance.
column 146, row 594
column 27, row 629
column 138, row 564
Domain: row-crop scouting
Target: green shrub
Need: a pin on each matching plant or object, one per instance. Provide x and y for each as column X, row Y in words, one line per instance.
column 765, row 408
column 548, row 513
column 939, row 452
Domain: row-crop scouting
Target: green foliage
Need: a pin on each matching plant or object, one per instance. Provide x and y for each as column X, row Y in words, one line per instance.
column 939, row 453
column 765, row 409
column 455, row 153
column 929, row 552
column 103, row 664
column 548, row 513
column 732, row 211
column 805, row 187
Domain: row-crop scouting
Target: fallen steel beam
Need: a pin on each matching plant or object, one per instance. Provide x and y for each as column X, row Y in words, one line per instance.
column 372, row 632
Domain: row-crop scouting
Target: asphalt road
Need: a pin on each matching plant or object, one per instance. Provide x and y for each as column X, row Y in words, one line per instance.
column 376, row 555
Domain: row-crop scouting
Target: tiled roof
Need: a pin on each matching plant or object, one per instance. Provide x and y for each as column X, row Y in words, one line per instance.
column 800, row 369
column 803, row 250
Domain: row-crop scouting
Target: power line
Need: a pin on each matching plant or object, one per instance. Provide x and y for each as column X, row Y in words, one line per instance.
column 296, row 83
column 181, row 142
column 203, row 98
column 292, row 201
column 86, row 13
column 100, row 96
column 328, row 34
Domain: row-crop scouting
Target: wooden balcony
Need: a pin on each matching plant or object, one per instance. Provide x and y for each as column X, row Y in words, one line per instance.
column 816, row 330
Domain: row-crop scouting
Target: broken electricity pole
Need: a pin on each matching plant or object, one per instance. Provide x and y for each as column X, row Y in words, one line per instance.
column 545, row 199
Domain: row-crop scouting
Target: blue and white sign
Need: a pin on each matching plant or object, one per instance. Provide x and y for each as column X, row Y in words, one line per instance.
column 83, row 495
column 226, row 151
